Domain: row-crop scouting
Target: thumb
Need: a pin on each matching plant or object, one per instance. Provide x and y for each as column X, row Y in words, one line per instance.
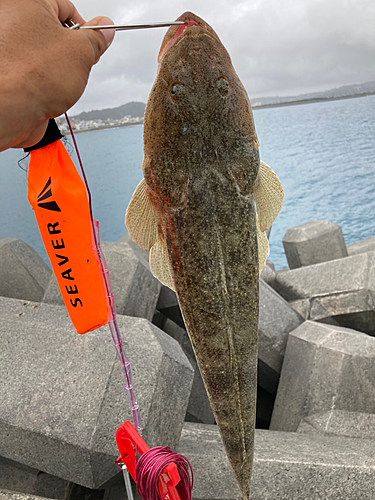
column 99, row 39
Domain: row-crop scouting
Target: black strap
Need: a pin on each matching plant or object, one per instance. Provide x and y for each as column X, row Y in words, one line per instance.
column 51, row 135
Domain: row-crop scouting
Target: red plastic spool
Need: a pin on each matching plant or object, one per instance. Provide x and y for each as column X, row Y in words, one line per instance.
column 128, row 442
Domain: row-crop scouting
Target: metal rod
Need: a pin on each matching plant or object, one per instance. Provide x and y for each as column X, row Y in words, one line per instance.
column 127, row 482
column 125, row 27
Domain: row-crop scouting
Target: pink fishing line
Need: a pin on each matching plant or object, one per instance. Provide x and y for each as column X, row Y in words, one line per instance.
column 150, row 466
column 112, row 322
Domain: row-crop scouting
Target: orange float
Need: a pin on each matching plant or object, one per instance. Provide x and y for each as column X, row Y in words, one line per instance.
column 58, row 197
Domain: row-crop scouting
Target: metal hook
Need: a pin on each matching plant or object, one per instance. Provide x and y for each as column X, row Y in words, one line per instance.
column 69, row 23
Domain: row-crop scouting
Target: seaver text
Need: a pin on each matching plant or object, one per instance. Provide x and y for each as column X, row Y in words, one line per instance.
column 58, row 244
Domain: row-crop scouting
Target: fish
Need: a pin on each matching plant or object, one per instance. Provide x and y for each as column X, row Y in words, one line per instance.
column 201, row 210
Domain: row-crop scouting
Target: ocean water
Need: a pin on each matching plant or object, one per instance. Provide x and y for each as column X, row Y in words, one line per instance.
column 323, row 153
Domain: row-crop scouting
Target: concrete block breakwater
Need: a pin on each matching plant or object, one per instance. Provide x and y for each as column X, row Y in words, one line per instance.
column 62, row 397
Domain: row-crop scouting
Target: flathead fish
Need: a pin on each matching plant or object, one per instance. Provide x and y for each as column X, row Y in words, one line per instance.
column 195, row 212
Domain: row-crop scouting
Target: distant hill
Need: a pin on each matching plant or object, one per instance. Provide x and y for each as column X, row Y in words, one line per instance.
column 337, row 93
column 132, row 109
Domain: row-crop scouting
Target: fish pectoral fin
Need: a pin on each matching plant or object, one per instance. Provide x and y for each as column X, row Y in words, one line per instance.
column 263, row 247
column 268, row 196
column 141, row 218
column 159, row 264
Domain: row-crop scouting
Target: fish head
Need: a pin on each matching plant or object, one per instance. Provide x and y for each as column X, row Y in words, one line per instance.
column 198, row 112
column 175, row 32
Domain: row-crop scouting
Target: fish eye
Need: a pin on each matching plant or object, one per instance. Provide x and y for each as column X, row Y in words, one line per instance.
column 222, row 86
column 177, row 90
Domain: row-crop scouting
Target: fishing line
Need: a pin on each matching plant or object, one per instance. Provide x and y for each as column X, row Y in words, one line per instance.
column 150, row 466
column 21, row 160
column 80, row 163
column 111, row 307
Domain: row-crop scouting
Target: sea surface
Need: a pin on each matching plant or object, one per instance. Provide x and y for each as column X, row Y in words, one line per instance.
column 323, row 153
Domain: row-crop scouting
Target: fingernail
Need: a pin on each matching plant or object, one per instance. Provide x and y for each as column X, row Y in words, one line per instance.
column 108, row 34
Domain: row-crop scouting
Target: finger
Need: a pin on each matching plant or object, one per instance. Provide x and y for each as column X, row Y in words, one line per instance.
column 99, row 39
column 67, row 10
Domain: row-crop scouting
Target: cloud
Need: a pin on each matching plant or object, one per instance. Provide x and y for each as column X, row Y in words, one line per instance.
column 277, row 47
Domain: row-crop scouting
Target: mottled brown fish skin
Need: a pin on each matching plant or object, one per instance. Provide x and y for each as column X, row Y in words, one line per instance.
column 201, row 162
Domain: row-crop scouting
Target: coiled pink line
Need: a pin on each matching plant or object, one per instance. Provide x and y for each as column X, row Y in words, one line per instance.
column 150, row 466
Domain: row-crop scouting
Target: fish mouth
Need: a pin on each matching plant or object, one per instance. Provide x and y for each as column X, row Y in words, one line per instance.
column 175, row 32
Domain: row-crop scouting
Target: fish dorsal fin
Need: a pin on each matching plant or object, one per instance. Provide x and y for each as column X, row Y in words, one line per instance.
column 141, row 218
column 263, row 248
column 268, row 196
column 159, row 264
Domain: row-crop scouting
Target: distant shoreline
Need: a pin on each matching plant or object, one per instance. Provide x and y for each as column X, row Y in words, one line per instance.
column 261, row 106
column 104, row 127
column 311, row 101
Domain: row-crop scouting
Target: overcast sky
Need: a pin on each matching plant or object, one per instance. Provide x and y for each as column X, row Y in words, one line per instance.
column 278, row 47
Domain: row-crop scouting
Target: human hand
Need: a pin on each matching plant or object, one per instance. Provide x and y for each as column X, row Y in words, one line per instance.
column 44, row 67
